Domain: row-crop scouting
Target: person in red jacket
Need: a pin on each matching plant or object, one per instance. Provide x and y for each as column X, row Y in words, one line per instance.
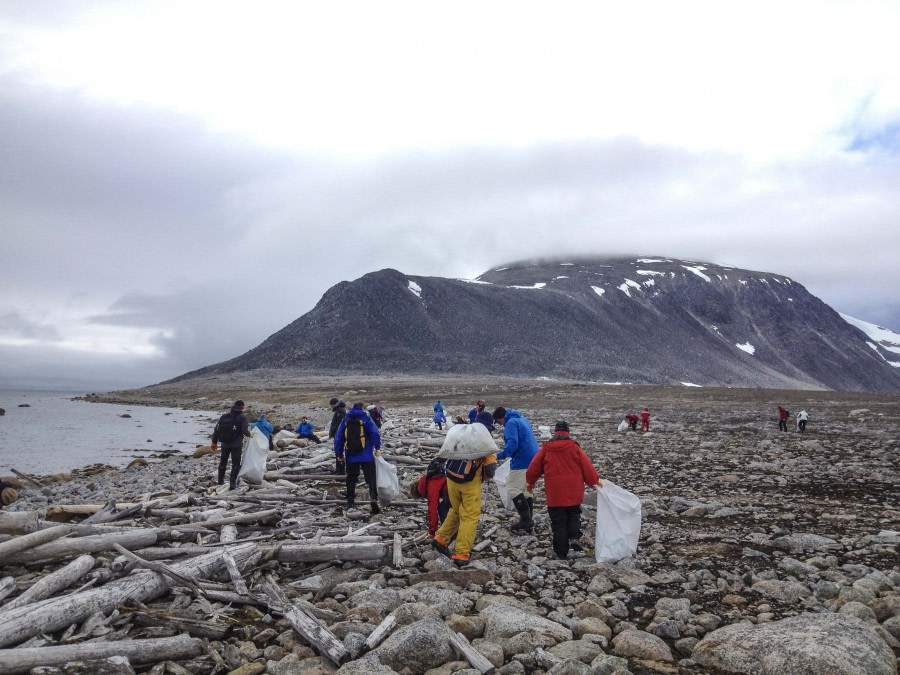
column 566, row 470
column 432, row 485
column 645, row 419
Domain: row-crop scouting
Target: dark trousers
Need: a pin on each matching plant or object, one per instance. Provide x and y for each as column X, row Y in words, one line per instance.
column 235, row 454
column 782, row 425
column 801, row 426
column 368, row 470
column 565, row 522
column 311, row 437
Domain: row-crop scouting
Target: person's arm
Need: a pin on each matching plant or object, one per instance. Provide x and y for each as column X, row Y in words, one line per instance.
column 588, row 472
column 339, row 440
column 433, row 493
column 372, row 432
column 245, row 426
column 535, row 470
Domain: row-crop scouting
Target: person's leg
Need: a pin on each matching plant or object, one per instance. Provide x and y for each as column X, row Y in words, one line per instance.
column 235, row 466
column 224, row 454
column 573, row 527
column 515, row 488
column 559, row 528
column 450, row 526
column 368, row 469
column 469, row 515
column 352, row 476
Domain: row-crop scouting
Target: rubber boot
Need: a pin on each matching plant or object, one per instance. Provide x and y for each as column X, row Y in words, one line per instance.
column 525, row 522
column 530, row 501
column 339, row 469
column 375, row 508
column 351, row 496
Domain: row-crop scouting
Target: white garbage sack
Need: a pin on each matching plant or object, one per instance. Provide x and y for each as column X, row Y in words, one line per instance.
column 623, row 425
column 618, row 523
column 468, row 441
column 387, row 425
column 501, row 476
column 253, row 462
column 284, row 435
column 545, row 432
column 386, row 480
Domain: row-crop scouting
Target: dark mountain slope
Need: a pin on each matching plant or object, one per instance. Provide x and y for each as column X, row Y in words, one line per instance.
column 659, row 321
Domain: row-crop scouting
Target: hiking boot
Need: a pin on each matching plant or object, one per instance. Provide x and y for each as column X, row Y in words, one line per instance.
column 375, row 509
column 525, row 522
column 440, row 546
column 459, row 559
column 575, row 546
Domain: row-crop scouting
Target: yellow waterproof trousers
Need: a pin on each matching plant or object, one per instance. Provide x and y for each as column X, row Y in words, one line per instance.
column 465, row 511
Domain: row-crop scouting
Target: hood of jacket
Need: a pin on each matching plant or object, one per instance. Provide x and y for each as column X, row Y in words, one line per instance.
column 512, row 414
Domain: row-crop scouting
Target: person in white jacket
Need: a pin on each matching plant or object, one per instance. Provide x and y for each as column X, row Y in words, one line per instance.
column 802, row 416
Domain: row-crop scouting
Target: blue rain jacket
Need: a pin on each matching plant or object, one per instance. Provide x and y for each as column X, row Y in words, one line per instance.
column 263, row 425
column 519, row 441
column 373, row 437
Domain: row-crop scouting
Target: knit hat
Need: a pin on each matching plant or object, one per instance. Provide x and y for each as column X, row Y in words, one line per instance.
column 333, row 402
column 8, row 496
column 499, row 412
column 561, row 425
column 479, row 405
column 239, row 404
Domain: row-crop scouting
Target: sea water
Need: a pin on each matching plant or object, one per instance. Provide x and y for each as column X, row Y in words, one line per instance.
column 48, row 432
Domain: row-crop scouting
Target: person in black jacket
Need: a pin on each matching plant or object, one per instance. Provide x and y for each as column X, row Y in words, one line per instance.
column 340, row 411
column 231, row 430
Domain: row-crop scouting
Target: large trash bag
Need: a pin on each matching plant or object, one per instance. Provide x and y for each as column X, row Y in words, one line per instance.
column 618, row 523
column 501, row 476
column 253, row 463
column 623, row 425
column 468, row 441
column 386, row 480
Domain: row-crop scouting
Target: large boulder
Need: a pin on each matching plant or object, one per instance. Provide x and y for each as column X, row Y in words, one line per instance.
column 504, row 621
column 837, row 644
column 641, row 645
column 419, row 646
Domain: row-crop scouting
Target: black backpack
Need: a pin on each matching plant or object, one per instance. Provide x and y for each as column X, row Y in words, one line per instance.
column 229, row 427
column 354, row 436
column 462, row 470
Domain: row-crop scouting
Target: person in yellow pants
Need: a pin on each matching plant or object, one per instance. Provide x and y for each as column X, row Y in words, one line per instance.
column 464, row 480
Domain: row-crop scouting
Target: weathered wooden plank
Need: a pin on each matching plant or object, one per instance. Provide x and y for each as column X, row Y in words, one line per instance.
column 53, row 582
column 138, row 652
column 62, row 548
column 473, row 656
column 27, row 541
column 381, row 632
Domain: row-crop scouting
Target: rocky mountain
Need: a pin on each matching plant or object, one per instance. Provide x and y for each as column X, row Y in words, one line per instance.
column 630, row 320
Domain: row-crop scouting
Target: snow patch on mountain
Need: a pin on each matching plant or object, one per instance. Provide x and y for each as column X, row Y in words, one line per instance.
column 416, row 289
column 698, row 270
column 747, row 347
column 538, row 285
column 884, row 337
column 629, row 284
column 598, row 290
column 651, row 273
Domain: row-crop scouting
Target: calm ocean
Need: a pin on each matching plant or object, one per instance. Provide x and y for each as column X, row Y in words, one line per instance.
column 55, row 434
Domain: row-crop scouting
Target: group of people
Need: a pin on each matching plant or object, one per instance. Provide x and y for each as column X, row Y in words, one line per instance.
column 632, row 419
column 784, row 415
column 452, row 487
column 561, row 462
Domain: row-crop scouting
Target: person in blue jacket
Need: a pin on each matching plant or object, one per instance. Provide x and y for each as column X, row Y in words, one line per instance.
column 356, row 443
column 266, row 427
column 305, row 430
column 520, row 445
column 473, row 413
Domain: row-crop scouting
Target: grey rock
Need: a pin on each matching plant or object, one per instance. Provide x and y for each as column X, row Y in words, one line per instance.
column 504, row 621
column 445, row 601
column 859, row 610
column 783, row 591
column 571, row 667
column 581, row 650
column 641, row 645
column 384, row 600
column 418, row 646
column 797, row 543
column 607, row 664
column 809, row 643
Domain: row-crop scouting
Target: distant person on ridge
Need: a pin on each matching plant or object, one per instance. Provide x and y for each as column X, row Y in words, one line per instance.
column 231, row 429
column 356, row 443
column 566, row 470
column 305, row 430
column 339, row 408
column 782, row 418
column 802, row 418
column 520, row 445
column 645, row 419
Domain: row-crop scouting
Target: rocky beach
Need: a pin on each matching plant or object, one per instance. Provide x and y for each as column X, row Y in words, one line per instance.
column 760, row 551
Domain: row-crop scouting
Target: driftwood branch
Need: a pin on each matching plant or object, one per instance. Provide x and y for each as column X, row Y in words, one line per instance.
column 27, row 541
column 381, row 632
column 473, row 656
column 136, row 651
column 161, row 568
column 53, row 582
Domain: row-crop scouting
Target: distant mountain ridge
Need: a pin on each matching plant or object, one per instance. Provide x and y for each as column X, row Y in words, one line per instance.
column 650, row 320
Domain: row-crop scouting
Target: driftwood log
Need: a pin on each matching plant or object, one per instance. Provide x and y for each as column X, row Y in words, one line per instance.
column 53, row 582
column 136, row 651
column 17, row 522
column 27, row 541
column 21, row 623
column 326, row 552
column 62, row 548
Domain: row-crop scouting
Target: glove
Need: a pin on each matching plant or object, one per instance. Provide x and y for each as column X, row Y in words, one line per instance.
column 214, row 446
column 529, row 487
column 378, row 453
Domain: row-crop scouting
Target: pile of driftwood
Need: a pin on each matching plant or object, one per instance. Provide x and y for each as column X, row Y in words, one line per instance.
column 166, row 578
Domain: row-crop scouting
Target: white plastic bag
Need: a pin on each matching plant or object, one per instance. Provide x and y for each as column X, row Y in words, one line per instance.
column 253, row 463
column 618, row 523
column 386, row 480
column 284, row 435
column 468, row 441
column 623, row 426
column 545, row 432
column 501, row 475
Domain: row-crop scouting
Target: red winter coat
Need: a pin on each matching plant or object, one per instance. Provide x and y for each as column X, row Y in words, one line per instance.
column 565, row 468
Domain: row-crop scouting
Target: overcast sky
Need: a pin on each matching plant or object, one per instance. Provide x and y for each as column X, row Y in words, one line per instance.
column 179, row 180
